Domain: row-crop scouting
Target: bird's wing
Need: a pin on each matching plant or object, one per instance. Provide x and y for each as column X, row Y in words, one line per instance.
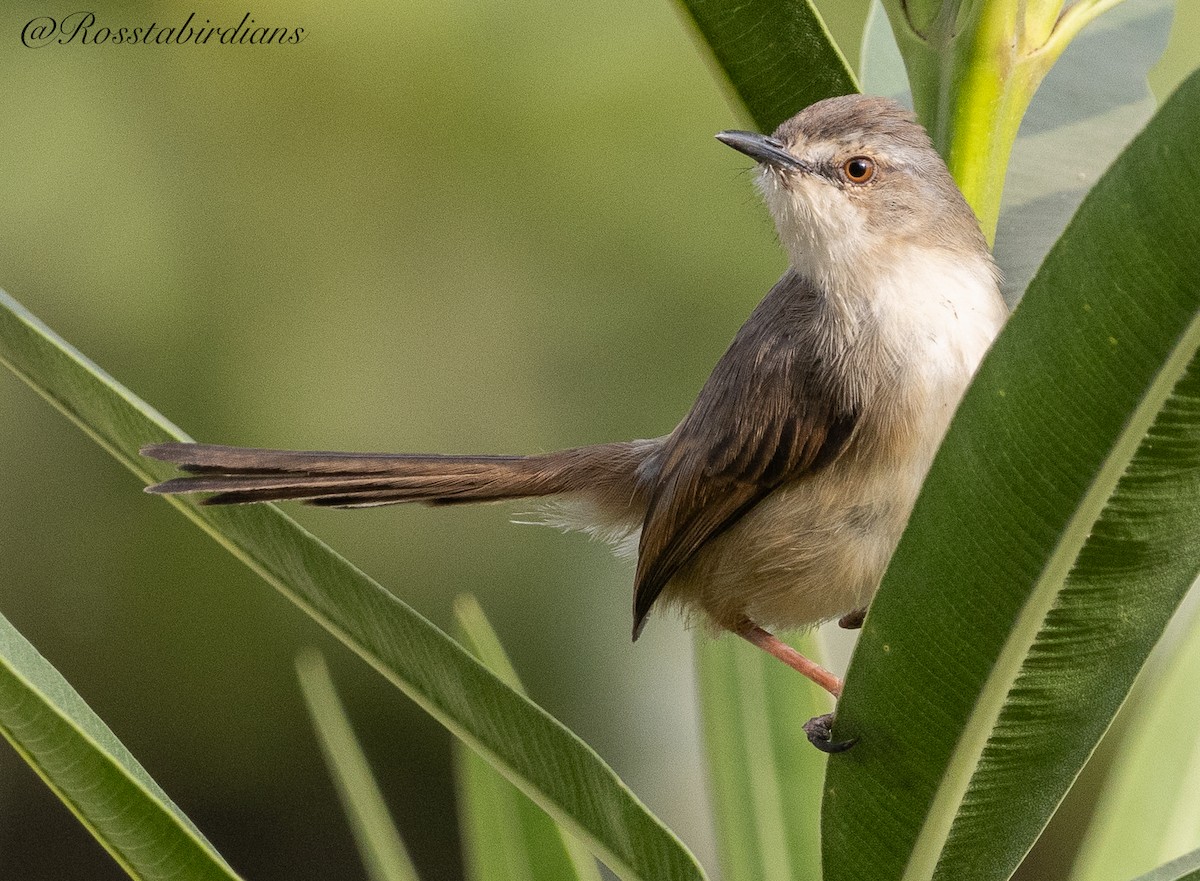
column 767, row 415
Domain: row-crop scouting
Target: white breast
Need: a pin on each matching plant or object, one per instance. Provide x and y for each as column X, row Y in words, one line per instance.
column 931, row 319
column 946, row 310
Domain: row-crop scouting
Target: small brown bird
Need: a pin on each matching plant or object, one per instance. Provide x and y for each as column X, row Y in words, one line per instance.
column 778, row 500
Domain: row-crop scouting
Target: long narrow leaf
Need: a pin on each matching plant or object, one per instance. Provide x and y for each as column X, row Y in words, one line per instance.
column 85, row 765
column 548, row 762
column 777, row 55
column 507, row 837
column 764, row 777
column 379, row 844
column 1053, row 539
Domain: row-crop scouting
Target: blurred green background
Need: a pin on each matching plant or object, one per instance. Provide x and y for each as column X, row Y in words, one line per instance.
column 466, row 225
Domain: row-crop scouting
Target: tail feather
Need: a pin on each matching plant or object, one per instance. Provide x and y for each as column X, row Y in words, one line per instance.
column 266, row 484
column 238, row 475
column 218, row 459
column 379, row 499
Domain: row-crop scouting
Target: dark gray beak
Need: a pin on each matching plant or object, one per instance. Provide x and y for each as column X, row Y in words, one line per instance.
column 766, row 150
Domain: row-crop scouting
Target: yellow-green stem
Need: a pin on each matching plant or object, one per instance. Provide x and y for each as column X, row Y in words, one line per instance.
column 983, row 96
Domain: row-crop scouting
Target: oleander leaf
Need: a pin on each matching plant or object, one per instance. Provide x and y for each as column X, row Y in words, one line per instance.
column 82, row 761
column 1148, row 811
column 1185, row 868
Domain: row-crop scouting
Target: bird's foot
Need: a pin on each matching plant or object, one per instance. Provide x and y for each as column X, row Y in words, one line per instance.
column 819, row 730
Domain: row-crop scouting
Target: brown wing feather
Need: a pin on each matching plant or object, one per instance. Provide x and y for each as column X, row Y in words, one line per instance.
column 769, row 413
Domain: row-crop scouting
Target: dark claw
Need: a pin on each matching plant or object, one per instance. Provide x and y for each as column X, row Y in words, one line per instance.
column 820, row 733
column 852, row 620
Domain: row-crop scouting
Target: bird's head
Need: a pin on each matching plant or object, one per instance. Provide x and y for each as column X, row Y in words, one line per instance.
column 850, row 180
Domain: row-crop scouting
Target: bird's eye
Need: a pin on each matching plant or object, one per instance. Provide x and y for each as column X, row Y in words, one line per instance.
column 858, row 169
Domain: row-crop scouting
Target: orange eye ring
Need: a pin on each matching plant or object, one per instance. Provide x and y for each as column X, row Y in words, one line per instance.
column 859, row 169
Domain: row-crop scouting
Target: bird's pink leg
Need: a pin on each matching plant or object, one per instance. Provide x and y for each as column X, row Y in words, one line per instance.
column 754, row 634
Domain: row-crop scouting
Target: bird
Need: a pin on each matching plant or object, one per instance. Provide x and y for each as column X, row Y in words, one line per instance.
column 776, row 502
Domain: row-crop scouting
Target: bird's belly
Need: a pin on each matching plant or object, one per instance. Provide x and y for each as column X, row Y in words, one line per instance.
column 817, row 547
column 808, row 552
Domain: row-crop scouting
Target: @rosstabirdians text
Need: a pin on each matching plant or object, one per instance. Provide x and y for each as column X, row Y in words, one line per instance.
column 86, row 29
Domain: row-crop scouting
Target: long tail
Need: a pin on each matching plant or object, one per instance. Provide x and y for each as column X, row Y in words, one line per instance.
column 361, row 480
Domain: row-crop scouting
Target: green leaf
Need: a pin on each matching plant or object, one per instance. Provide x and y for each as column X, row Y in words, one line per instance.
column 82, row 761
column 507, row 837
column 1051, row 543
column 1148, row 808
column 1186, row 868
column 379, row 843
column 542, row 757
column 777, row 55
column 764, row 777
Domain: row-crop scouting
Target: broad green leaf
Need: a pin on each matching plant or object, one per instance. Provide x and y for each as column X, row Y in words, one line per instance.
column 764, row 777
column 542, row 757
column 1186, row 868
column 507, row 837
column 1149, row 809
column 1051, row 543
column 1090, row 105
column 379, row 843
column 82, row 761
column 777, row 55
